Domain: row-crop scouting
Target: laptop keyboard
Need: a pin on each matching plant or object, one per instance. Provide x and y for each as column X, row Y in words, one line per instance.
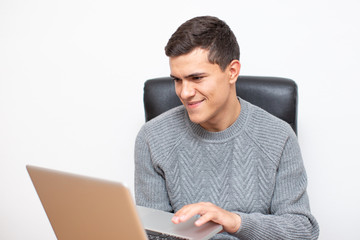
column 159, row 236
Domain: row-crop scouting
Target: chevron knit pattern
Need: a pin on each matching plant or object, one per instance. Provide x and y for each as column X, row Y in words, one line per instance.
column 254, row 168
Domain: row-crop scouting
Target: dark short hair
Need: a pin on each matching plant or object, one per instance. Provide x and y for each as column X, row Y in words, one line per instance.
column 208, row 33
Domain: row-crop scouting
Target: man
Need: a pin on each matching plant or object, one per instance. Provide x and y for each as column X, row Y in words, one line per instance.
column 219, row 156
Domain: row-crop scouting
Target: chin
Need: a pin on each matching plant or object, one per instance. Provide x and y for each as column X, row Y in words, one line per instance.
column 196, row 119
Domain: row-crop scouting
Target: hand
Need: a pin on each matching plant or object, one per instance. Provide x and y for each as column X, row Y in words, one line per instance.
column 209, row 212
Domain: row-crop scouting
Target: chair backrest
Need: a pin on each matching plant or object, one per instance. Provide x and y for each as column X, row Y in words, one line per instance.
column 278, row 96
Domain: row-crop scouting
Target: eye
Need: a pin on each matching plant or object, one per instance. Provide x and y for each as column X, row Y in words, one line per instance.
column 176, row 79
column 197, row 78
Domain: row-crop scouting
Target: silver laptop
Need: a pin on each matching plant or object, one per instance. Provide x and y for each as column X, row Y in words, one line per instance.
column 81, row 207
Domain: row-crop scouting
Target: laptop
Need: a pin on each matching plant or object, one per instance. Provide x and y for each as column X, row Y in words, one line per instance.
column 81, row 207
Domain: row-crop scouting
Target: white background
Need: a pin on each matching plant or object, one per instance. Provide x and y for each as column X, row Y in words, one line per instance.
column 71, row 84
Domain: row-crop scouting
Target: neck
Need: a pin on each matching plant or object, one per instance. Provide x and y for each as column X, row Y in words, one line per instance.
column 227, row 118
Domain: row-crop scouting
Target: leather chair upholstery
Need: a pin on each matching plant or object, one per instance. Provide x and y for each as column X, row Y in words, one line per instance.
column 278, row 96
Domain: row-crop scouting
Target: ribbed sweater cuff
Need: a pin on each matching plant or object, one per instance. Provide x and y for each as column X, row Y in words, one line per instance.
column 247, row 226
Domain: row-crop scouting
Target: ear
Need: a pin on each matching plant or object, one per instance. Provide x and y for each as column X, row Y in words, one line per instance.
column 234, row 70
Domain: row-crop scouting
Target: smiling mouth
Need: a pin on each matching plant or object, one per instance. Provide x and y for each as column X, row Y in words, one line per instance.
column 194, row 104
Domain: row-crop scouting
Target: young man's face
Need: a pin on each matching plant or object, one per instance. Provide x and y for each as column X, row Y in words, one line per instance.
column 203, row 88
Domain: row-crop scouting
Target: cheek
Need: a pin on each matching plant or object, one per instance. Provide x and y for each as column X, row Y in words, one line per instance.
column 218, row 92
column 178, row 93
column 211, row 90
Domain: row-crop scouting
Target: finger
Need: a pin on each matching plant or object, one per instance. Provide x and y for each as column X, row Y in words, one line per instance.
column 175, row 219
column 209, row 216
column 181, row 217
column 187, row 212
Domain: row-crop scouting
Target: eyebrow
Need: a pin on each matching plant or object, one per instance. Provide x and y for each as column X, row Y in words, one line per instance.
column 172, row 76
column 189, row 76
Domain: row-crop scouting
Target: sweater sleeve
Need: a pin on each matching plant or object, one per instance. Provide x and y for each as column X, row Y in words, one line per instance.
column 289, row 216
column 150, row 187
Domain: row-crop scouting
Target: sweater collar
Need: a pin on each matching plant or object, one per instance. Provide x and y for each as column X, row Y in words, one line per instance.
column 230, row 132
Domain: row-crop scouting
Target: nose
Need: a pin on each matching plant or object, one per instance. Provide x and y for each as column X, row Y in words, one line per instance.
column 185, row 89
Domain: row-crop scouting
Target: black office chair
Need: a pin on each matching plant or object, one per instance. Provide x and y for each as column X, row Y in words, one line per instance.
column 278, row 96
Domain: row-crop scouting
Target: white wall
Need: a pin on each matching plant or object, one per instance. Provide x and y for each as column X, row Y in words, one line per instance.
column 71, row 78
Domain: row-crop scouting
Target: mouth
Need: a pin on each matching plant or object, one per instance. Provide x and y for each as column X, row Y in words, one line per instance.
column 194, row 104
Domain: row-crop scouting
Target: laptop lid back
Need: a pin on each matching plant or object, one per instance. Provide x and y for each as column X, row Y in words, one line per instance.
column 80, row 207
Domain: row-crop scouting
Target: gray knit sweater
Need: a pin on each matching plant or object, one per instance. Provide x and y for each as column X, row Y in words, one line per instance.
column 253, row 168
